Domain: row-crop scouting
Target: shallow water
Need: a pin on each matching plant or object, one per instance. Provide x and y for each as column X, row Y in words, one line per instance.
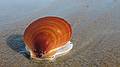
column 96, row 31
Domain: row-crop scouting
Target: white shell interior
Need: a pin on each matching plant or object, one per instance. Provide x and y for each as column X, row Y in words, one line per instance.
column 63, row 50
column 60, row 51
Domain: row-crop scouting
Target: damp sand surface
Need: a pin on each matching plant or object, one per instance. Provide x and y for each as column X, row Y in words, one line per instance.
column 96, row 31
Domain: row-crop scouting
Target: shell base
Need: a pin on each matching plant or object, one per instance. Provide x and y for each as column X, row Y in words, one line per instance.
column 60, row 51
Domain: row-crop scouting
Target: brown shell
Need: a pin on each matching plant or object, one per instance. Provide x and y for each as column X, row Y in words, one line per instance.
column 47, row 33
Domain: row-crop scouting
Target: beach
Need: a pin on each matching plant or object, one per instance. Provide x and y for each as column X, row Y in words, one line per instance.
column 95, row 24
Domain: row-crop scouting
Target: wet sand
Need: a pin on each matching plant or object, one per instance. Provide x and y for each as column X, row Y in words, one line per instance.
column 96, row 32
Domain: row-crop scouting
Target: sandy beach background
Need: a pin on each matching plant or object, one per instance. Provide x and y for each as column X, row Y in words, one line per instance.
column 96, row 31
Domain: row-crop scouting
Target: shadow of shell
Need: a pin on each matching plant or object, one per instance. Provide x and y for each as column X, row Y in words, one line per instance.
column 16, row 43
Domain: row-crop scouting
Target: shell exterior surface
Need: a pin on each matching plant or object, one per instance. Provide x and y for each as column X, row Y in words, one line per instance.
column 46, row 34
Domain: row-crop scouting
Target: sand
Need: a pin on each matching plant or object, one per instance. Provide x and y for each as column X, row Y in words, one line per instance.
column 96, row 32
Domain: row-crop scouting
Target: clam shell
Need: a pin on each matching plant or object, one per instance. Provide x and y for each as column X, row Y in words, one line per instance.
column 44, row 35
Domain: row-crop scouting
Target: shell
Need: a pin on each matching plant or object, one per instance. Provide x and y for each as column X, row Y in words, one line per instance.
column 44, row 35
